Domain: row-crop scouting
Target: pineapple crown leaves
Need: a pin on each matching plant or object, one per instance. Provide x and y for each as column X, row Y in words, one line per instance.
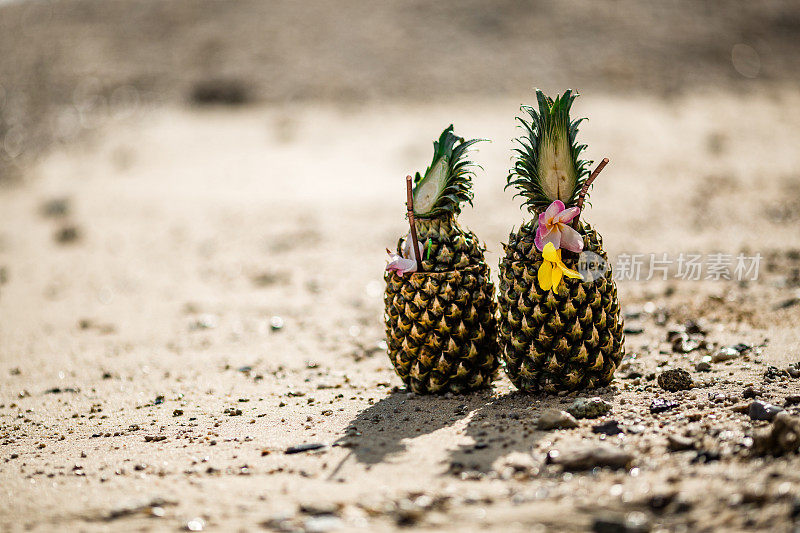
column 547, row 163
column 447, row 182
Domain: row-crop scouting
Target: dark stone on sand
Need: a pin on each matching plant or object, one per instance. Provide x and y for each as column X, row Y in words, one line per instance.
column 792, row 399
column 682, row 343
column 694, row 328
column 660, row 405
column 67, row 234
column 750, row 393
column 300, row 448
column 773, row 373
column 789, row 302
column 55, row 208
column 675, row 380
column 759, row 410
column 633, row 329
column 607, row 428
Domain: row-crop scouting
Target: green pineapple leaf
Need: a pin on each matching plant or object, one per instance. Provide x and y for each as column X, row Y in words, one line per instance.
column 447, row 182
column 547, row 161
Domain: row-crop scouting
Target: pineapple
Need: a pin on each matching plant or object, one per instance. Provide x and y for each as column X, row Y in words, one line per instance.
column 440, row 323
column 569, row 337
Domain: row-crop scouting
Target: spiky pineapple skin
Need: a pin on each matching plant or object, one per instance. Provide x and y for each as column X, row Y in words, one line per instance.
column 569, row 340
column 451, row 247
column 441, row 329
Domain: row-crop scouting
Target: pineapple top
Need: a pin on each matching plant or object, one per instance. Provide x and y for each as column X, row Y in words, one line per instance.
column 547, row 162
column 447, row 181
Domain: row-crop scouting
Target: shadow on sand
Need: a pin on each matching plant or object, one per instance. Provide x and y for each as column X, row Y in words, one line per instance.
column 379, row 430
column 506, row 424
column 498, row 425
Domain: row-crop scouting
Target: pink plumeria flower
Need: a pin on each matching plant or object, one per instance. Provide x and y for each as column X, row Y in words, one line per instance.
column 403, row 263
column 554, row 228
column 400, row 264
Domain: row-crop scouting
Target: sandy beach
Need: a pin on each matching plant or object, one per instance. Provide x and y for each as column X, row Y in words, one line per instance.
column 189, row 292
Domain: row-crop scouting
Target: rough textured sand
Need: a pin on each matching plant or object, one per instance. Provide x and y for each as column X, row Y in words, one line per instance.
column 195, row 228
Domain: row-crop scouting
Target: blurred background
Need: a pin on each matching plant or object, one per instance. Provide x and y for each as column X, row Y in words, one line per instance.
column 67, row 64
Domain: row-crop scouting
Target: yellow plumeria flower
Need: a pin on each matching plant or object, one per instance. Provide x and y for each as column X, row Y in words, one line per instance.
column 553, row 269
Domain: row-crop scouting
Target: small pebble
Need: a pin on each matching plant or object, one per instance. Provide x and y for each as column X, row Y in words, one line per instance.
column 695, row 328
column 789, row 302
column 584, row 457
column 633, row 329
column 55, row 208
column 556, row 419
column 750, row 393
column 726, row 353
column 607, row 428
column 742, row 408
column 773, row 373
column 683, row 344
column 305, row 447
column 589, row 407
column 759, row 410
column 702, row 366
column 195, row 524
column 204, row 321
column 660, row 405
column 792, row 399
column 315, row 508
column 675, row 380
column 67, row 234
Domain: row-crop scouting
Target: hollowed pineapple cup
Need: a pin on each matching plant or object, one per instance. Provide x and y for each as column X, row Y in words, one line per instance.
column 558, row 341
column 441, row 329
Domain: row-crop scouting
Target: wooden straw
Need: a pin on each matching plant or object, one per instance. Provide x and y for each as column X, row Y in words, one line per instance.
column 410, row 207
column 586, row 185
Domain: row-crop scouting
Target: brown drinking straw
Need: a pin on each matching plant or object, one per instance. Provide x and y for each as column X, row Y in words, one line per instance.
column 586, row 185
column 410, row 207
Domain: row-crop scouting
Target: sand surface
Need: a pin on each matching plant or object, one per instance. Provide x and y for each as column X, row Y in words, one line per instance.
column 187, row 293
